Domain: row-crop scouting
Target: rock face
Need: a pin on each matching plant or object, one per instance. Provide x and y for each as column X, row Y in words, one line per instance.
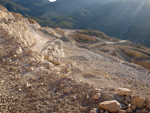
column 111, row 106
column 5, row 14
column 16, row 28
column 138, row 101
column 124, row 92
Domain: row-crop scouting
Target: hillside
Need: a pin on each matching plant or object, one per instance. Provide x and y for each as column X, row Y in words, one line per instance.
column 126, row 19
column 12, row 6
column 49, row 70
column 121, row 19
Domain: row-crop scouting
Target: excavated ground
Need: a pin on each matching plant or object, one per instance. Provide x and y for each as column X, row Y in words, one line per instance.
column 43, row 70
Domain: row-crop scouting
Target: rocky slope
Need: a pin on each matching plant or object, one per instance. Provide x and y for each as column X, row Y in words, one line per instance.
column 56, row 70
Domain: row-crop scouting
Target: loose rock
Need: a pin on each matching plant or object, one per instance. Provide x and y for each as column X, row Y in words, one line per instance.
column 121, row 111
column 94, row 110
column 148, row 104
column 133, row 107
column 138, row 111
column 111, row 106
column 138, row 101
column 124, row 91
column 101, row 111
column 97, row 96
column 129, row 110
column 68, row 90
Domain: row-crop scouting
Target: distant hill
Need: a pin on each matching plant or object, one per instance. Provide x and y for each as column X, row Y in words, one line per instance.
column 122, row 19
column 12, row 6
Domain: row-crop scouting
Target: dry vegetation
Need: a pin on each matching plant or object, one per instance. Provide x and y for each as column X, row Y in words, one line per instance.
column 83, row 38
column 60, row 31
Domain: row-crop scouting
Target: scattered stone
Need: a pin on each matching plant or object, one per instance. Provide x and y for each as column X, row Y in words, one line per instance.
column 3, row 60
column 111, row 106
column 30, row 69
column 41, row 84
column 129, row 106
column 94, row 110
column 148, row 104
column 68, row 90
column 28, row 86
column 129, row 110
column 124, row 107
column 129, row 100
column 14, row 56
column 74, row 97
column 138, row 101
column 87, row 96
column 125, row 102
column 121, row 111
column 97, row 96
column 18, row 50
column 55, row 61
column 63, row 77
column 124, row 92
column 105, row 75
column 133, row 107
column 32, row 78
column 19, row 89
column 8, row 61
column 144, row 111
column 138, row 111
column 61, row 85
column 101, row 111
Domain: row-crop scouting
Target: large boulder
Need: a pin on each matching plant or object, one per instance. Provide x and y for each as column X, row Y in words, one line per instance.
column 111, row 106
column 138, row 101
column 124, row 92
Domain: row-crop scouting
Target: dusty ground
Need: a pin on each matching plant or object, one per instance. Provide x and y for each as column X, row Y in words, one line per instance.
column 32, row 82
column 100, row 70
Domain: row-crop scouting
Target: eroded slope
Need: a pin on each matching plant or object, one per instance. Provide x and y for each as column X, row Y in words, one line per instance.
column 49, row 70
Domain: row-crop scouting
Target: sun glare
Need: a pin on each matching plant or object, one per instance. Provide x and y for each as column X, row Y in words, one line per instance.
column 52, row 0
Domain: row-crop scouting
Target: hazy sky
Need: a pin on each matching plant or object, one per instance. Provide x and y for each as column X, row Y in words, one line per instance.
column 52, row 0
